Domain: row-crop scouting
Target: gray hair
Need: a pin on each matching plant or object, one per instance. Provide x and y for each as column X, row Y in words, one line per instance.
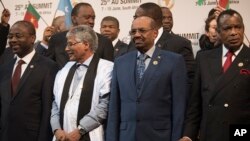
column 84, row 33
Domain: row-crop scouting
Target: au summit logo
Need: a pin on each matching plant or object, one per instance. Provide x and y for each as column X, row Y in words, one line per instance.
column 166, row 3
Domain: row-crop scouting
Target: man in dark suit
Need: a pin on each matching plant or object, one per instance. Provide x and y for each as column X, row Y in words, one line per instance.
column 110, row 28
column 147, row 106
column 82, row 14
column 4, row 30
column 165, row 40
column 26, row 89
column 41, row 47
column 221, row 93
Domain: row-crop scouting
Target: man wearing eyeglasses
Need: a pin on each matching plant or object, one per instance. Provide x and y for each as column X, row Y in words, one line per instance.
column 81, row 90
column 82, row 14
column 148, row 100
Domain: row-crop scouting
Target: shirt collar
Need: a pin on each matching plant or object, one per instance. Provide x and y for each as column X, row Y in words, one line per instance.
column 87, row 62
column 26, row 58
column 149, row 53
column 160, row 31
column 225, row 50
column 114, row 42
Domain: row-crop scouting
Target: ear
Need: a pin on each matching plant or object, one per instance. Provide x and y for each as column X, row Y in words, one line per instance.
column 155, row 33
column 73, row 19
column 33, row 38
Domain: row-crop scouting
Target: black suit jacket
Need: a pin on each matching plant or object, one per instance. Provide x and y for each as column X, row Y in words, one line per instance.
column 26, row 116
column 4, row 31
column 58, row 42
column 218, row 99
column 40, row 49
column 7, row 56
column 120, row 48
column 180, row 45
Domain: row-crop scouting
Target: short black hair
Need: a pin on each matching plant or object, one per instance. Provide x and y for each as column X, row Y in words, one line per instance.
column 76, row 8
column 152, row 10
column 111, row 18
column 208, row 21
column 229, row 12
column 28, row 25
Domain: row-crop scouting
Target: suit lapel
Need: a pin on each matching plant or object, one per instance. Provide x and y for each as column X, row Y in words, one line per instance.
column 215, row 64
column 8, row 75
column 150, row 71
column 28, row 70
column 233, row 70
column 131, row 65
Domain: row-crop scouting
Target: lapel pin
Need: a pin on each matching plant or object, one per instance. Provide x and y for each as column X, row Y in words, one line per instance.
column 116, row 49
column 240, row 64
column 31, row 66
column 155, row 62
column 159, row 57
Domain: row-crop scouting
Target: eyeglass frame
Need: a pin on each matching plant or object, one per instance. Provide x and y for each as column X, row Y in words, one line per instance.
column 73, row 44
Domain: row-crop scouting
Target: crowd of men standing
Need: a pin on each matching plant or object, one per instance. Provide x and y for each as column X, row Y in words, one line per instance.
column 79, row 85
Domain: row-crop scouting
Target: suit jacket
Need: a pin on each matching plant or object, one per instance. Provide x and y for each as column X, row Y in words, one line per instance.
column 7, row 56
column 26, row 116
column 219, row 99
column 153, row 111
column 58, row 43
column 120, row 48
column 40, row 49
column 179, row 45
column 4, row 31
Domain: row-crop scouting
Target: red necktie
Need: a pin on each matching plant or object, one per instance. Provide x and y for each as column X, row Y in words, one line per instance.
column 16, row 76
column 228, row 61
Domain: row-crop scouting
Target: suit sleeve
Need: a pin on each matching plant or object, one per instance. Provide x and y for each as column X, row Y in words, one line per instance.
column 4, row 31
column 47, row 97
column 179, row 98
column 187, row 53
column 194, row 110
column 112, row 132
column 51, row 48
column 105, row 49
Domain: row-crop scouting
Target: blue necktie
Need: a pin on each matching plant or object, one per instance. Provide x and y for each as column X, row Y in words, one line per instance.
column 141, row 66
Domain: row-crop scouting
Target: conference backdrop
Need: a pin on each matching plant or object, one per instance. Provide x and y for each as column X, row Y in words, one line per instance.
column 188, row 15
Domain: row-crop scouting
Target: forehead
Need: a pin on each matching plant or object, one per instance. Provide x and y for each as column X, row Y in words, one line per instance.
column 108, row 22
column 19, row 28
column 230, row 19
column 141, row 22
column 166, row 11
column 86, row 10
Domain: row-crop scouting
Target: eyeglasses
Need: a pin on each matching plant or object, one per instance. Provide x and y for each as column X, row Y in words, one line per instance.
column 140, row 31
column 72, row 44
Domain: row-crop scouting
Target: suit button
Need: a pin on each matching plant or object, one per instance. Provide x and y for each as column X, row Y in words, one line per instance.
column 159, row 45
column 226, row 105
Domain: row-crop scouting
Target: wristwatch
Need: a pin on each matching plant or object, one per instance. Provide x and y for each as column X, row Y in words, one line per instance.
column 82, row 131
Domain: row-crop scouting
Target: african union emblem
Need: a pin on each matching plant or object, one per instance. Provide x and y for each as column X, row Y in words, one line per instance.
column 166, row 3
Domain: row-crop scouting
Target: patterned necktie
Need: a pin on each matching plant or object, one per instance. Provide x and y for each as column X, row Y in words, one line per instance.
column 16, row 76
column 78, row 76
column 228, row 61
column 141, row 66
